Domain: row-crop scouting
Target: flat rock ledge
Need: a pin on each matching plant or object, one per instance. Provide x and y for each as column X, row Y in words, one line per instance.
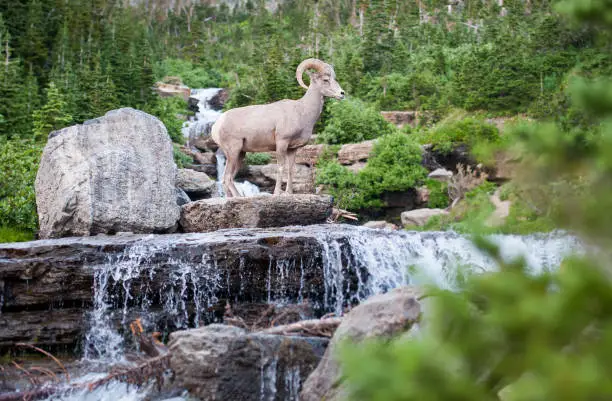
column 255, row 212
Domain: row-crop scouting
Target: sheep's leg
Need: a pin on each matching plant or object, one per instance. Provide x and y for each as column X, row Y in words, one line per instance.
column 281, row 153
column 290, row 169
column 232, row 154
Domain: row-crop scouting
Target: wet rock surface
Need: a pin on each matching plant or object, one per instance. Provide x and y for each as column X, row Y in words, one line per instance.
column 220, row 362
column 257, row 211
column 380, row 316
column 114, row 173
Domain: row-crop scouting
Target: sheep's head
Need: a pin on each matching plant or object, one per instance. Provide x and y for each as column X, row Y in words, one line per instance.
column 324, row 77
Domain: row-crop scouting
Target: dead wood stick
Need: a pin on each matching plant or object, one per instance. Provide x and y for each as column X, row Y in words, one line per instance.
column 320, row 327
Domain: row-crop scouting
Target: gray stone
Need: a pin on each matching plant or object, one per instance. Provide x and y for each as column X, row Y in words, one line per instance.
column 380, row 225
column 441, row 174
column 196, row 184
column 419, row 217
column 114, row 173
column 256, row 211
column 383, row 315
column 181, row 197
column 219, row 362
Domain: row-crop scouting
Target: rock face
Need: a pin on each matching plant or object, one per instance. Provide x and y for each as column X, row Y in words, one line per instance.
column 196, row 185
column 265, row 177
column 220, row 362
column 172, row 89
column 114, row 173
column 258, row 211
column 379, row 316
column 307, row 155
column 355, row 152
column 419, row 217
column 400, row 118
column 441, row 175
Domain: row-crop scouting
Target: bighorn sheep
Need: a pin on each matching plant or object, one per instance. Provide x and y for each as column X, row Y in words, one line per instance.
column 283, row 126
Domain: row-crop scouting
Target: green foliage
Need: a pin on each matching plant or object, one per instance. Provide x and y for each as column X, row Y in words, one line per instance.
column 53, row 115
column 353, row 121
column 257, row 159
column 394, row 165
column 191, row 75
column 450, row 134
column 506, row 334
column 168, row 110
column 18, row 166
column 9, row 234
column 438, row 194
column 180, row 158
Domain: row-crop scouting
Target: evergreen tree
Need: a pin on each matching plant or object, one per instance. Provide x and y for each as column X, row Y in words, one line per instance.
column 52, row 115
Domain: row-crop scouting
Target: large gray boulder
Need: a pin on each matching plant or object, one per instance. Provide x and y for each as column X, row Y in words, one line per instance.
column 111, row 174
column 383, row 316
column 219, row 362
column 255, row 212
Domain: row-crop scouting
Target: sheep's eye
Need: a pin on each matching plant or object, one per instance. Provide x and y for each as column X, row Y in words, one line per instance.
column 326, row 80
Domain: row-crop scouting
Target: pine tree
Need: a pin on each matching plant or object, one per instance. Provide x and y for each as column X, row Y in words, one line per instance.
column 52, row 115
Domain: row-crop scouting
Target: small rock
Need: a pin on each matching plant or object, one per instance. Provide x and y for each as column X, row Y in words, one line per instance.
column 181, row 197
column 256, row 211
column 382, row 315
column 196, row 185
column 400, row 118
column 381, row 225
column 419, row 217
column 441, row 174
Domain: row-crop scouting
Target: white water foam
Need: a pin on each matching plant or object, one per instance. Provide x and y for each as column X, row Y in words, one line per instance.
column 206, row 116
column 245, row 188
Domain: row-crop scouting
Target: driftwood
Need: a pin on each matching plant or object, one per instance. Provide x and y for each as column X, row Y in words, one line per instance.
column 151, row 369
column 313, row 328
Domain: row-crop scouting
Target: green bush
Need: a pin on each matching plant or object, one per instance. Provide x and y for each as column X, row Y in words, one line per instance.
column 394, row 165
column 469, row 131
column 181, row 159
column 257, row 159
column 438, row 194
column 18, row 166
column 353, row 121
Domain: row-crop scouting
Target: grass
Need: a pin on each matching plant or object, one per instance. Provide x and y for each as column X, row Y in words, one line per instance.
column 9, row 234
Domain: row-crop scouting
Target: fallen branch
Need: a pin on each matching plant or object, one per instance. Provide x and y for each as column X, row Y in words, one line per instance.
column 138, row 375
column 42, row 351
column 314, row 328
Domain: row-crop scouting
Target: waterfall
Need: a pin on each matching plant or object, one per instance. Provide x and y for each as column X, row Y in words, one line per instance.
column 176, row 279
column 245, row 188
column 206, row 115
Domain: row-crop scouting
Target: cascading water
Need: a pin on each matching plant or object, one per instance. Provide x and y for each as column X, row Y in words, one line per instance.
column 206, row 116
column 353, row 263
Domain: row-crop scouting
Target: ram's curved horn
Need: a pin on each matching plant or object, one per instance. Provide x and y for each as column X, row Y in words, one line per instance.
column 304, row 65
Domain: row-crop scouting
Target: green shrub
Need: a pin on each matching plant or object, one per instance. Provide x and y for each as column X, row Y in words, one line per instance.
column 438, row 194
column 18, row 166
column 353, row 121
column 394, row 165
column 469, row 131
column 257, row 159
column 181, row 159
